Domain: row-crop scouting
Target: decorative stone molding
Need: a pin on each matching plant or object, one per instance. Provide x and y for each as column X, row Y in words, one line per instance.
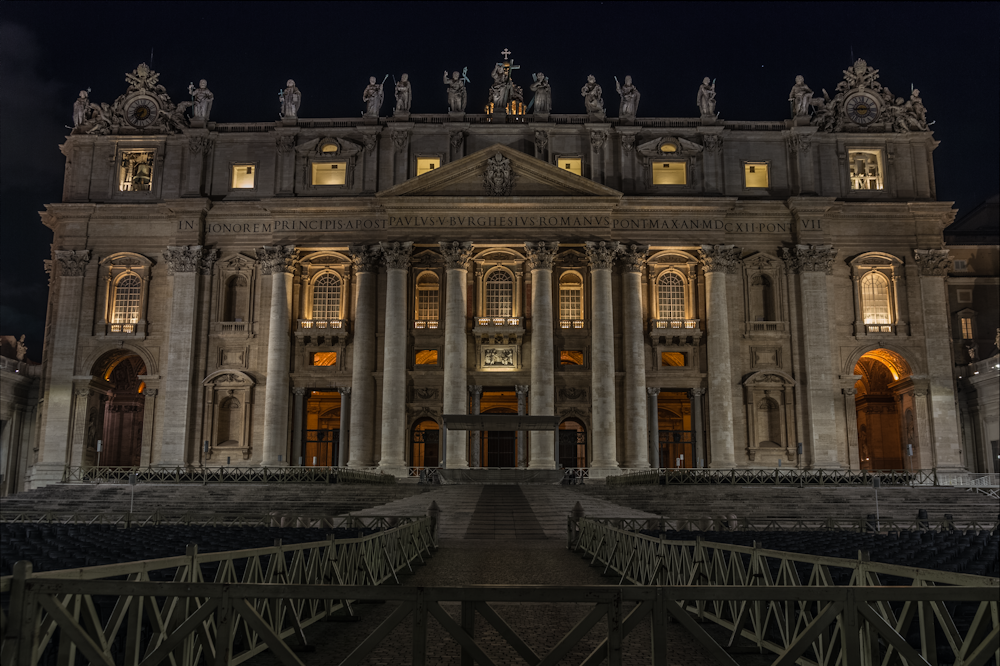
column 498, row 179
column 541, row 141
column 572, row 393
column 634, row 257
column 344, row 390
column 72, row 263
column 602, row 253
column 849, row 391
column 365, row 258
column 720, row 258
column 397, row 255
column 298, row 390
column 284, row 143
column 696, row 392
column 712, row 142
column 183, row 258
column 82, row 393
column 522, row 389
column 652, row 391
column 370, row 141
column 456, row 254
column 809, row 258
column 475, row 390
column 277, row 259
column 799, row 143
column 400, row 137
column 597, row 139
column 207, row 261
column 541, row 255
column 628, row 142
column 200, row 144
column 425, row 393
column 932, row 262
column 456, row 139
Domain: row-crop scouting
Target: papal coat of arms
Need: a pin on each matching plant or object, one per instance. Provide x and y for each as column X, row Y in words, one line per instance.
column 499, row 177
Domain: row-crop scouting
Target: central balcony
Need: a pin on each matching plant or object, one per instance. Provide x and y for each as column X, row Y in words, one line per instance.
column 674, row 328
column 495, row 329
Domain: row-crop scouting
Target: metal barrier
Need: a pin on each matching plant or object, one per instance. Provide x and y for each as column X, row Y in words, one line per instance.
column 859, row 623
column 226, row 474
column 280, row 591
column 126, row 519
column 734, row 524
column 777, row 476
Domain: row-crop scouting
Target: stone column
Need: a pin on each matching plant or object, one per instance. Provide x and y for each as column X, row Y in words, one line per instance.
column 696, row 425
column 80, row 456
column 719, row 261
column 278, row 262
column 604, row 429
column 475, row 445
column 653, row 424
column 636, row 428
column 542, row 400
column 298, row 394
column 397, row 263
column 345, row 425
column 456, row 341
column 522, row 440
column 851, row 417
column 813, row 263
column 926, row 458
column 148, row 414
column 184, row 263
column 366, row 261
column 57, row 406
column 933, row 266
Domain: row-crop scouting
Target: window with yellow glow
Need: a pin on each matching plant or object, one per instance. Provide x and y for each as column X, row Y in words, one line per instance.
column 324, row 358
column 967, row 328
column 865, row 169
column 427, row 357
column 427, row 300
column 672, row 359
column 668, row 148
column 243, row 176
column 329, row 173
column 570, row 299
column 330, row 148
column 570, row 357
column 135, row 171
column 571, row 164
column 670, row 173
column 755, row 174
column 425, row 164
column 126, row 300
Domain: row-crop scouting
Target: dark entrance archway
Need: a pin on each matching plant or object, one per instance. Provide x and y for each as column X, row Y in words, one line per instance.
column 322, row 445
column 572, row 444
column 676, row 437
column 886, row 424
column 425, row 444
column 123, row 407
column 498, row 448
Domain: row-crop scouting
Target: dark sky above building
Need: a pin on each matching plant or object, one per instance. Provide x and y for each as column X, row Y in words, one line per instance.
column 50, row 51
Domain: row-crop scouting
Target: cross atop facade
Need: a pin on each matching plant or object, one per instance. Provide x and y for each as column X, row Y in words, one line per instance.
column 505, row 52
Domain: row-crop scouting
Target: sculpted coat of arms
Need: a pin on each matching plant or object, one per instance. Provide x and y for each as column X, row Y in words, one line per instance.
column 499, row 177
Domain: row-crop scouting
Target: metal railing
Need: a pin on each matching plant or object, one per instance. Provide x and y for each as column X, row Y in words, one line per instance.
column 779, row 476
column 863, row 622
column 127, row 519
column 256, row 599
column 733, row 523
column 225, row 474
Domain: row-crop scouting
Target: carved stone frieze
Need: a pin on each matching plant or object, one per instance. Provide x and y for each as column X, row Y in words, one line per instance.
column 277, row 259
column 498, row 179
column 597, row 139
column 400, row 137
column 541, row 255
column 72, row 263
column 426, row 393
column 456, row 139
column 397, row 255
column 712, row 143
column 602, row 253
column 541, row 141
column 815, row 258
column 720, row 258
column 200, row 144
column 634, row 257
column 456, row 254
column 799, row 143
column 932, row 262
column 628, row 142
column 183, row 258
column 285, row 143
column 573, row 393
column 650, row 390
column 365, row 258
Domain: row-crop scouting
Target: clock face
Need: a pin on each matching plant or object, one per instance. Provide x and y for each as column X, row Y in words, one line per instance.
column 862, row 108
column 141, row 112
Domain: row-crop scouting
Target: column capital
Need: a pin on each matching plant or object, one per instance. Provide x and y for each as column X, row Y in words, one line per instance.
column 849, row 391
column 150, row 392
column 190, row 259
column 475, row 390
column 696, row 392
column 634, row 257
column 397, row 255
column 365, row 258
column 298, row 391
column 277, row 259
column 602, row 253
column 541, row 255
column 809, row 258
column 344, row 390
column 932, row 262
column 720, row 258
column 72, row 263
column 82, row 393
column 456, row 254
column 521, row 389
column 651, row 391
column 920, row 392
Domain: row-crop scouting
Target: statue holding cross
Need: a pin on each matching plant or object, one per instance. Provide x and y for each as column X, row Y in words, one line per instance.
column 503, row 89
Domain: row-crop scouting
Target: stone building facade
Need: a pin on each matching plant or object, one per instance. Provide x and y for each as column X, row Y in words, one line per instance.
column 679, row 292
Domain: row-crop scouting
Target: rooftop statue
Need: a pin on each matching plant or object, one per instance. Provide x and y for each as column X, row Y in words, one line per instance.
column 201, row 98
column 457, row 96
column 800, row 98
column 503, row 90
column 145, row 106
column 706, row 98
column 916, row 112
column 373, row 97
column 80, row 108
column 543, row 94
column 629, row 106
column 861, row 101
column 290, row 99
column 592, row 99
column 404, row 94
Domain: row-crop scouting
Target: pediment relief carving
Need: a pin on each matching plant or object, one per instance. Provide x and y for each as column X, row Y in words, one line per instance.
column 127, row 260
column 876, row 259
column 237, row 262
column 772, row 377
column 229, row 377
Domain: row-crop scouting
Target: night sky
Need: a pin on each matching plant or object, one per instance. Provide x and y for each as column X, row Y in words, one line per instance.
column 50, row 51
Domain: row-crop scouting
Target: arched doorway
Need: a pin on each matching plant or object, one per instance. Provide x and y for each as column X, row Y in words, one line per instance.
column 123, row 406
column 572, row 444
column 425, row 444
column 883, row 403
column 322, row 445
column 673, row 409
column 498, row 448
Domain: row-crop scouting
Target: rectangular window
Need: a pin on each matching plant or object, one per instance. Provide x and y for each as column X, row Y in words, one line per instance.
column 570, row 357
column 672, row 359
column 967, row 328
column 324, row 358
column 865, row 168
column 427, row 304
column 755, row 174
column 964, row 295
column 427, row 357
column 243, row 176
column 571, row 164
column 425, row 164
column 570, row 304
column 135, row 171
column 670, row 173
column 329, row 173
column 960, row 265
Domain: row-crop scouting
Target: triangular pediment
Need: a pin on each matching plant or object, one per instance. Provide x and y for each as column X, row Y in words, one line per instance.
column 532, row 178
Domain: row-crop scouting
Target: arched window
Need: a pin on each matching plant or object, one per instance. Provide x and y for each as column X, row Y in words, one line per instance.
column 126, row 302
column 571, row 300
column 427, row 300
column 499, row 294
column 237, row 299
column 670, row 296
column 762, row 298
column 326, row 297
column 875, row 299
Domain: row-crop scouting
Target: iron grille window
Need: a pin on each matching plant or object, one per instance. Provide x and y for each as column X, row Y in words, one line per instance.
column 326, row 297
column 128, row 294
column 499, row 294
column 570, row 298
column 875, row 298
column 670, row 296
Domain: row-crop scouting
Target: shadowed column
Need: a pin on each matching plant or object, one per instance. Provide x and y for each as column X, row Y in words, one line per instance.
column 637, row 454
column 456, row 401
column 366, row 260
column 278, row 262
column 605, row 461
column 541, row 400
column 397, row 262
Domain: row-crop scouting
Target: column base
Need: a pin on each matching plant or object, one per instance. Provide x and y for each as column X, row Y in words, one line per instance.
column 542, row 464
column 602, row 472
column 275, row 463
column 44, row 474
column 394, row 470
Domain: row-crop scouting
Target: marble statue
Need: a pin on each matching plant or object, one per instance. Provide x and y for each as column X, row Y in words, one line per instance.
column 290, row 99
column 629, row 106
column 80, row 107
column 404, row 94
column 373, row 96
column 201, row 98
column 20, row 349
column 916, row 112
column 592, row 100
column 800, row 98
column 706, row 98
column 501, row 92
column 543, row 94
column 456, row 92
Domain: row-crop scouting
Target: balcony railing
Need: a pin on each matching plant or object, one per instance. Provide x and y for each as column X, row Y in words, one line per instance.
column 426, row 323
column 310, row 324
column 880, row 328
column 498, row 321
column 675, row 324
column 121, row 328
column 766, row 326
column 234, row 326
column 570, row 323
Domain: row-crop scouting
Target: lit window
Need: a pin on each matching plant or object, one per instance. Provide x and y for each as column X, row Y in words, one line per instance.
column 330, row 148
column 670, row 173
column 425, row 164
column 570, row 299
column 329, row 173
column 499, row 294
column 960, row 265
column 672, row 359
column 570, row 357
column 967, row 328
column 755, row 174
column 324, row 358
column 135, row 171
column 427, row 300
column 427, row 357
column 875, row 298
column 866, row 169
column 326, row 297
column 571, row 164
column 670, row 296
column 668, row 148
column 243, row 176
column 125, row 311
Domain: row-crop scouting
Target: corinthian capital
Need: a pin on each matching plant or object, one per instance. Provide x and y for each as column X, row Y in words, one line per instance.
column 72, row 263
column 183, row 258
column 208, row 259
column 397, row 255
column 634, row 257
column 365, row 258
column 277, row 259
column 802, row 258
column 602, row 253
column 541, row 254
column 456, row 254
column 720, row 258
column 932, row 262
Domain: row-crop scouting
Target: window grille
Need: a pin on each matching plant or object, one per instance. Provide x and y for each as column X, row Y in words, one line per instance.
column 326, row 297
column 427, row 298
column 570, row 298
column 967, row 328
column 875, row 298
column 670, row 296
column 499, row 294
column 128, row 295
